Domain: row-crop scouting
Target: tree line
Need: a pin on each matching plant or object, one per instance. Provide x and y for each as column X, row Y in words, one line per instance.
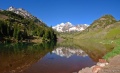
column 19, row 28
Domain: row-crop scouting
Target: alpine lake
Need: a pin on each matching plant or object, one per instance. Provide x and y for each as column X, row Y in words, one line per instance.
column 50, row 57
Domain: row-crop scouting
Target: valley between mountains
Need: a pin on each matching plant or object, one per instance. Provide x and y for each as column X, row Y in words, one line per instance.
column 106, row 31
column 103, row 35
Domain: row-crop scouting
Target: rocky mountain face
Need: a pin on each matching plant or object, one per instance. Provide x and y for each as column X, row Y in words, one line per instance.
column 21, row 25
column 69, row 27
column 20, row 11
column 24, row 13
column 68, row 52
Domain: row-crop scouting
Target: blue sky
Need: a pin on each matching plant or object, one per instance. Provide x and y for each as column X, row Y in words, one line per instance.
column 54, row 12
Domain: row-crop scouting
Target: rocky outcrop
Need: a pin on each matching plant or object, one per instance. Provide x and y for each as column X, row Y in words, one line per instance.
column 102, row 63
column 96, row 68
column 20, row 11
column 23, row 13
column 113, row 66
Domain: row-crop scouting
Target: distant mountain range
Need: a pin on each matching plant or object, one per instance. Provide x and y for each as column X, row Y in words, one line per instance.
column 69, row 27
column 63, row 27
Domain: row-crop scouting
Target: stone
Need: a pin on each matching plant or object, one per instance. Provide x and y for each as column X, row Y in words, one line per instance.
column 95, row 69
column 86, row 70
column 102, row 61
column 101, row 64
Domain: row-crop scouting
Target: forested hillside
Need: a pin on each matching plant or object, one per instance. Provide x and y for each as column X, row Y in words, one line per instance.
column 14, row 28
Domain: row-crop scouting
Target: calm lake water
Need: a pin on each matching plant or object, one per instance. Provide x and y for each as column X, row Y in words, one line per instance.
column 46, row 58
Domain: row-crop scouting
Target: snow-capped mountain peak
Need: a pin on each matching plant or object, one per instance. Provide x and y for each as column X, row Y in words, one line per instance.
column 69, row 27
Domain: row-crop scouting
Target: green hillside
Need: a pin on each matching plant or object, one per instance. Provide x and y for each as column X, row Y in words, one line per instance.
column 102, row 22
column 105, row 31
column 105, row 27
column 15, row 28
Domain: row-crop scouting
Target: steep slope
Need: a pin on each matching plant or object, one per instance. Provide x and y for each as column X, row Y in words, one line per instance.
column 102, row 22
column 23, row 13
column 15, row 27
column 105, row 27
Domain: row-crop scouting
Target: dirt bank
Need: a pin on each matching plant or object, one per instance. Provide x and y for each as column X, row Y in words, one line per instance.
column 112, row 67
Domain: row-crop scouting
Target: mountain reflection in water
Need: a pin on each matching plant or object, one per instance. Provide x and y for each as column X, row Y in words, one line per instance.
column 62, row 60
column 68, row 52
column 47, row 58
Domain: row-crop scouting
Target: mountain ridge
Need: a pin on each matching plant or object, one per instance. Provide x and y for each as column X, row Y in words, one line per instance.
column 69, row 27
column 16, row 27
column 105, row 27
column 24, row 13
column 20, row 11
column 102, row 22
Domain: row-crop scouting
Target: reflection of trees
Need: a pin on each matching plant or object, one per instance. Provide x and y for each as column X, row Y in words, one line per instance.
column 18, row 57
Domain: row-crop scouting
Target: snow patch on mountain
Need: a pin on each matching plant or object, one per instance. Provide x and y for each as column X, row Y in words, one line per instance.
column 69, row 27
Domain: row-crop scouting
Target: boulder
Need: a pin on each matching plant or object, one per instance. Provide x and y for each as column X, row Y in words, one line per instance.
column 96, row 68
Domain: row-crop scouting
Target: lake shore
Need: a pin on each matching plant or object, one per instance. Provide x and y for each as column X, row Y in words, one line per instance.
column 112, row 67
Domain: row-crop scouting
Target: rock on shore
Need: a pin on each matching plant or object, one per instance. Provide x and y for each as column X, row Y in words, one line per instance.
column 96, row 68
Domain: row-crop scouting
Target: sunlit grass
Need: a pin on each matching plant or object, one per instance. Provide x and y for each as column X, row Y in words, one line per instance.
column 108, row 36
column 115, row 51
column 113, row 33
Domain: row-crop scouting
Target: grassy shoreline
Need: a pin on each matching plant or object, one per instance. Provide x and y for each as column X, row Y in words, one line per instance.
column 115, row 51
column 109, row 43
